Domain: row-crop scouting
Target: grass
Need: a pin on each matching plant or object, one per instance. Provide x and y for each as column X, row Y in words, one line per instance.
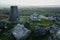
column 6, row 34
column 43, row 23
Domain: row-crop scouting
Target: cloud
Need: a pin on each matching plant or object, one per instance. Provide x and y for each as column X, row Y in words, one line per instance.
column 30, row 2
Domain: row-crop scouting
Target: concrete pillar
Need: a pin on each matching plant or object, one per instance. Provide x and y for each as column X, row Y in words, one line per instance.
column 14, row 16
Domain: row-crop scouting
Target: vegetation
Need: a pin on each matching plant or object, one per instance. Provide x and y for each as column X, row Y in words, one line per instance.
column 6, row 33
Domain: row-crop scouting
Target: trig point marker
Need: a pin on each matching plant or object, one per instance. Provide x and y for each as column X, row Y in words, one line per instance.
column 14, row 16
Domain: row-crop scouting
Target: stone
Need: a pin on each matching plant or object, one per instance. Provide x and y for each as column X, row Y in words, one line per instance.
column 20, row 32
column 53, row 29
column 3, row 24
column 58, row 34
column 42, row 16
column 52, row 38
column 53, row 18
column 35, row 17
column 26, row 24
column 38, row 31
column 14, row 16
column 58, row 18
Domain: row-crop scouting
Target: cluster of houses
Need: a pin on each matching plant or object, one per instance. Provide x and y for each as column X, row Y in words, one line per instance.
column 21, row 32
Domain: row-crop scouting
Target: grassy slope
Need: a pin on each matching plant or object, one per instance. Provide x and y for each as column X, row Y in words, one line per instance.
column 43, row 23
column 6, row 35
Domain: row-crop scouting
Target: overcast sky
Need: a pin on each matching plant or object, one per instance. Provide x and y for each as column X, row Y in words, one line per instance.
column 29, row 2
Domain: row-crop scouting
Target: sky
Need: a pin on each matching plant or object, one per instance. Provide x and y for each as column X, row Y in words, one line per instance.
column 29, row 2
